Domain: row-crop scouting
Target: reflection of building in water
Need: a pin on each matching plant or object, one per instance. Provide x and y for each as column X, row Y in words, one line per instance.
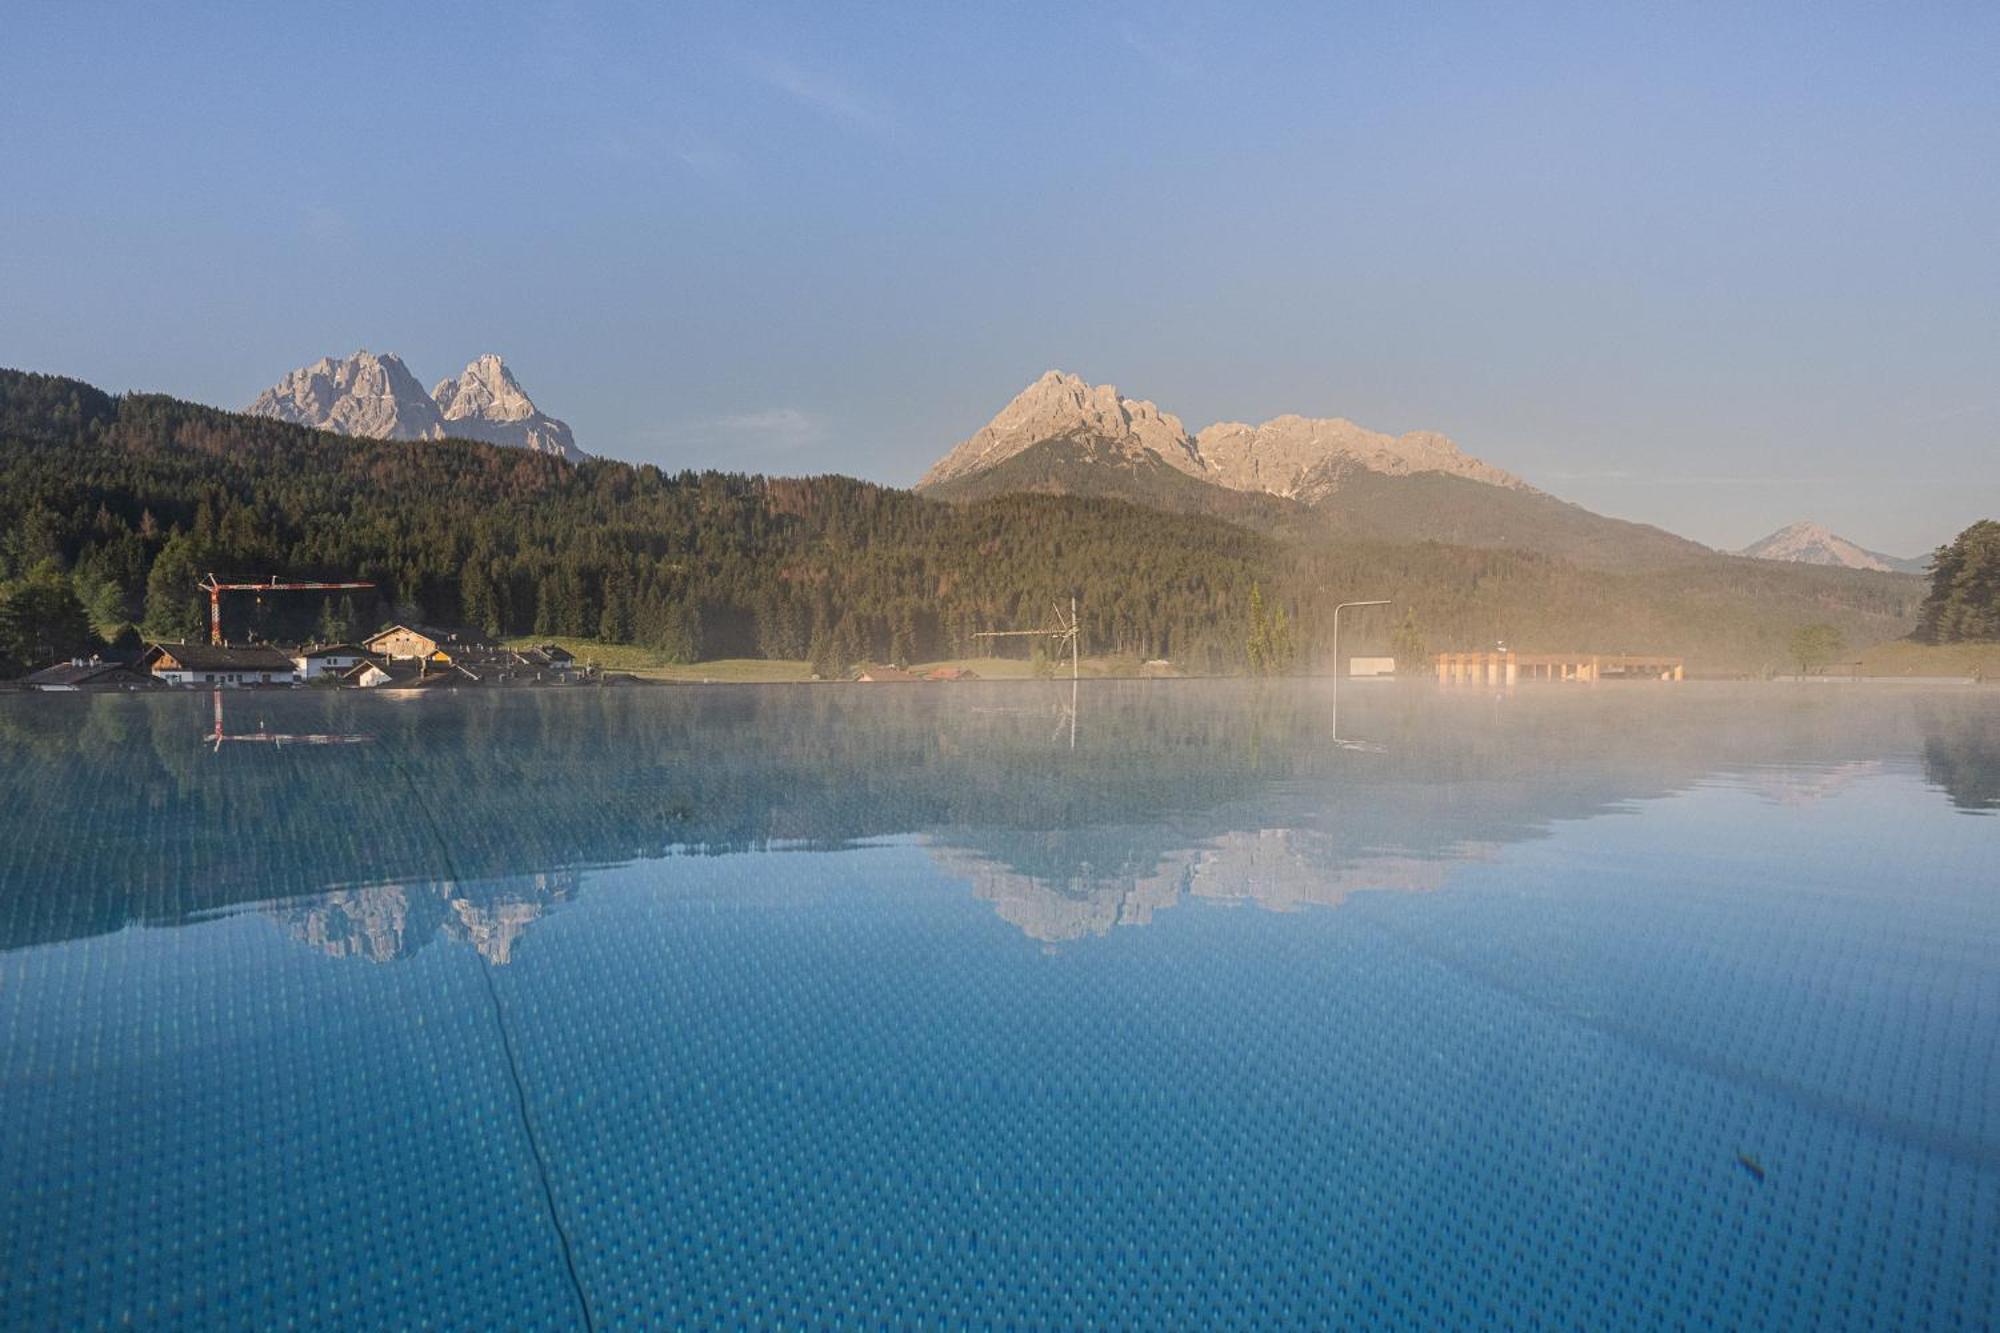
column 385, row 922
column 1280, row 870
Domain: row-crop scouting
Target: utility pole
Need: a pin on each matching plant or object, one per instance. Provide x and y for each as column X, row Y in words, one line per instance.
column 1070, row 630
column 1064, row 631
column 1075, row 670
column 1336, row 628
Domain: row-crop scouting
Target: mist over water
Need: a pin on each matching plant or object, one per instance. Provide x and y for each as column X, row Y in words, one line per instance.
column 795, row 1003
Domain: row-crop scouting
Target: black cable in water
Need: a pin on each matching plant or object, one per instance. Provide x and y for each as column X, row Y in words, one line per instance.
column 513, row 1064
column 535, row 1145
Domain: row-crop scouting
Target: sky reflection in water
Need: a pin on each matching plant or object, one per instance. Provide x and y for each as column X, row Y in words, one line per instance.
column 792, row 1004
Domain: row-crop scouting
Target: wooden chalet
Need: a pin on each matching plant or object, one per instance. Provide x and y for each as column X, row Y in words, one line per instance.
column 407, row 642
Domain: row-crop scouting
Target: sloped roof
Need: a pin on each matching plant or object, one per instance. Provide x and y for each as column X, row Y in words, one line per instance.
column 98, row 672
column 408, row 672
column 436, row 634
column 209, row 657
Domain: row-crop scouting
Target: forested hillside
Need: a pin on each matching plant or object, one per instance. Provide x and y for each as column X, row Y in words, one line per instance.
column 1349, row 503
column 1093, row 468
column 125, row 502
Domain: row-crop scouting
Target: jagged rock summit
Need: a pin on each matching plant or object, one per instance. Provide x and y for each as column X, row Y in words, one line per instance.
column 376, row 396
column 1303, row 457
column 363, row 394
column 1291, row 456
column 486, row 403
column 1059, row 406
column 1808, row 543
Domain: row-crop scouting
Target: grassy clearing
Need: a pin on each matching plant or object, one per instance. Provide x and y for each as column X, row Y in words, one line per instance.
column 1020, row 668
column 649, row 664
column 1900, row 657
column 756, row 670
column 610, row 656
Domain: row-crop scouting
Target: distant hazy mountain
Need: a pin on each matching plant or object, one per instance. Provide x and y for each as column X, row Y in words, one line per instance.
column 376, row 396
column 1061, row 435
column 1811, row 544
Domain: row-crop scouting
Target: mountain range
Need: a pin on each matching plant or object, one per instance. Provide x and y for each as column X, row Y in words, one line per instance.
column 1289, row 456
column 1063, row 435
column 377, row 397
column 125, row 501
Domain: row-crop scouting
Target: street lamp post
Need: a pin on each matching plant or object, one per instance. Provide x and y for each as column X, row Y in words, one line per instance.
column 1336, row 629
column 1383, row 601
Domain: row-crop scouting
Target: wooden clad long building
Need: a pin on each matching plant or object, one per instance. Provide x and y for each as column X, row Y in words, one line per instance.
column 1507, row 668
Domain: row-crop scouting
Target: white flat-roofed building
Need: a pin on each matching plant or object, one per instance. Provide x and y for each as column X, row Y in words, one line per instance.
column 329, row 659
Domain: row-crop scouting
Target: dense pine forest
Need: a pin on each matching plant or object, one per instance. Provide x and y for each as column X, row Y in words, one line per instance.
column 112, row 507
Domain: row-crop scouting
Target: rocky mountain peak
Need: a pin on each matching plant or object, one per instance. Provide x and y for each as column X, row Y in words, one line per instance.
column 1293, row 456
column 1060, row 406
column 377, row 397
column 487, row 391
column 364, row 394
column 1303, row 457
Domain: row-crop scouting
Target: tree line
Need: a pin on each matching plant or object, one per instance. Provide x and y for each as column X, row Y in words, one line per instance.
column 111, row 509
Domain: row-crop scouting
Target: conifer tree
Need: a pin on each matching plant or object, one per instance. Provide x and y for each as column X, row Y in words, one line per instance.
column 1259, row 646
column 1964, row 601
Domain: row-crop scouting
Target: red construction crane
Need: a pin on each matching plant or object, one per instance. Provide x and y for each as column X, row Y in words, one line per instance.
column 215, row 589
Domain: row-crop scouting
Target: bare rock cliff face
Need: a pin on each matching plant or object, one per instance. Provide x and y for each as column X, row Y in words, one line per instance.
column 364, row 394
column 377, row 397
column 1292, row 456
column 487, row 403
column 1059, row 407
column 1302, row 457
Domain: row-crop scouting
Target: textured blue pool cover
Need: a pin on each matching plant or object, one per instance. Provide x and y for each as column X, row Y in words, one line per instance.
column 1585, row 1008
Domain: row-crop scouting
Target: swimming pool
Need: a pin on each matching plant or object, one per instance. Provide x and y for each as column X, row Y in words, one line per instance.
column 1627, row 1005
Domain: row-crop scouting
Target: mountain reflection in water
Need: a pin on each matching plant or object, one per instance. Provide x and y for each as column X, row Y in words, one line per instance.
column 120, row 809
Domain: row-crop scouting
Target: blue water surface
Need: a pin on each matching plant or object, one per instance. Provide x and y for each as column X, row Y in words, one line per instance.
column 1158, row 1005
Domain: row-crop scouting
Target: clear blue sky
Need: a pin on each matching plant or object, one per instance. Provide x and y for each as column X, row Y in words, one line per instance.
column 1706, row 267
